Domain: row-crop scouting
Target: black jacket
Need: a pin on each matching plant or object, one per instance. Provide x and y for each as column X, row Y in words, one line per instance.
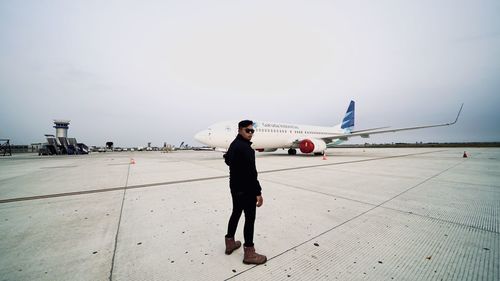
column 240, row 158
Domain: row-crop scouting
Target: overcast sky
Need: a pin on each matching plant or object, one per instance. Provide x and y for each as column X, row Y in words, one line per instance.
column 134, row 72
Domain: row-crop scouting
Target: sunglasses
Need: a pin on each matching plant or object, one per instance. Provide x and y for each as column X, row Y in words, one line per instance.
column 250, row 131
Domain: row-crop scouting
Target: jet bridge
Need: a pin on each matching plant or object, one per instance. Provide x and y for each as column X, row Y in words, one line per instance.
column 62, row 146
column 5, row 147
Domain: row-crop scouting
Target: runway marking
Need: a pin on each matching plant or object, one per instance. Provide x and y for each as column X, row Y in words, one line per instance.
column 118, row 227
column 351, row 219
column 47, row 196
column 58, row 167
column 73, row 193
column 383, row 207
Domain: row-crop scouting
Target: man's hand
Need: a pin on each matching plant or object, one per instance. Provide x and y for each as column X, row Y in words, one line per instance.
column 260, row 201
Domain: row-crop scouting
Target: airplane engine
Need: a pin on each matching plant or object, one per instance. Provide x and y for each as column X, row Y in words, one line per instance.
column 312, row 146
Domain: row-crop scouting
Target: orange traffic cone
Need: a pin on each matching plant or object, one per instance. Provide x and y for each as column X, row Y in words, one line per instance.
column 465, row 154
column 132, row 161
column 324, row 155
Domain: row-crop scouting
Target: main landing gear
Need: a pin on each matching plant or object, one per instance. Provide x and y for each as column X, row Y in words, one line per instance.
column 292, row 151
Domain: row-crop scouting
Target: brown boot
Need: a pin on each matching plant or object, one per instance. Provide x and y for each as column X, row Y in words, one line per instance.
column 231, row 245
column 251, row 257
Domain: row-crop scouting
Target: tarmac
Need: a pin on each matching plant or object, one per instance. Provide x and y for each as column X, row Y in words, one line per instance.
column 360, row 214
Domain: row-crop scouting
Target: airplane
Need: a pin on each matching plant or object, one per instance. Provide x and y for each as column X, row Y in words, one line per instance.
column 270, row 136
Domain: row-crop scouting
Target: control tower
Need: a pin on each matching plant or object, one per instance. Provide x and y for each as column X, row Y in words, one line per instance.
column 62, row 127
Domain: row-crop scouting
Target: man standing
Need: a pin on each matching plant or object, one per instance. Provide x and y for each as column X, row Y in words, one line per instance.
column 245, row 192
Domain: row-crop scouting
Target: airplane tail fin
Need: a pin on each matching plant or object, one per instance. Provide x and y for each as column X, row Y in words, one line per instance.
column 348, row 121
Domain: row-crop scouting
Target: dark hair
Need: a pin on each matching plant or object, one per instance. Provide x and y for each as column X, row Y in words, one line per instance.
column 245, row 123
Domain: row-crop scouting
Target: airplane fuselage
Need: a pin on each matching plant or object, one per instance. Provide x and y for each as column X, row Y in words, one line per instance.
column 268, row 135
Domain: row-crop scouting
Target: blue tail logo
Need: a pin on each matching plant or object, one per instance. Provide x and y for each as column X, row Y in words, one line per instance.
column 348, row 120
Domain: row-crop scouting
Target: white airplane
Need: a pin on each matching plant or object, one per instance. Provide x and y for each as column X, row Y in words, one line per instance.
column 269, row 136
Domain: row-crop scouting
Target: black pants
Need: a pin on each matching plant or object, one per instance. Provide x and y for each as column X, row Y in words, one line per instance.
column 246, row 203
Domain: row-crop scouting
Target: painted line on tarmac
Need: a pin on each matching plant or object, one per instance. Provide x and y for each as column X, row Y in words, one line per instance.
column 92, row 191
column 348, row 220
column 105, row 190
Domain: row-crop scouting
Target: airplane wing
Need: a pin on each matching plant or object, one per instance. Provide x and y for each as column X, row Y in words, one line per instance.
column 368, row 132
column 372, row 129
